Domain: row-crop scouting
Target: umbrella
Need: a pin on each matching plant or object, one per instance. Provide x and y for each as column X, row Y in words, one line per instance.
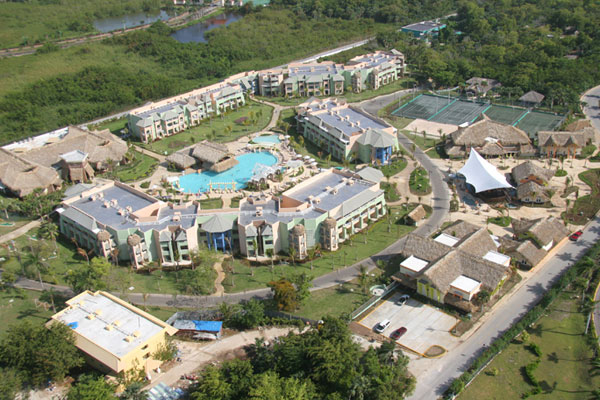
column 307, row 157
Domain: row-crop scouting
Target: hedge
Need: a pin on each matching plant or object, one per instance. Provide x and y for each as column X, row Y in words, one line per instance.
column 586, row 263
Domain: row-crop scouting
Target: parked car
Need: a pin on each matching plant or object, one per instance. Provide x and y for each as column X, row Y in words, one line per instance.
column 402, row 300
column 397, row 334
column 575, row 235
column 381, row 326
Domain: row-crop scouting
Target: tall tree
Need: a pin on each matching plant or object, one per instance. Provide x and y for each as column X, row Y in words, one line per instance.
column 90, row 387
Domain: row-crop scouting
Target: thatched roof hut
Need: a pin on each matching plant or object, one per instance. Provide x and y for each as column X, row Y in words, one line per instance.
column 416, row 215
column 460, row 229
column 424, row 248
column 181, row 159
column 531, row 192
column 133, row 240
column 209, row 152
column 22, row 177
column 528, row 171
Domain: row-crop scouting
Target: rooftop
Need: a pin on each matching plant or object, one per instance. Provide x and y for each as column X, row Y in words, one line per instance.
column 465, row 284
column 446, row 239
column 424, row 26
column 414, row 264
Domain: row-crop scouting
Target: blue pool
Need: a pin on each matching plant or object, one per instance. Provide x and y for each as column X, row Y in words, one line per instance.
column 271, row 139
column 241, row 174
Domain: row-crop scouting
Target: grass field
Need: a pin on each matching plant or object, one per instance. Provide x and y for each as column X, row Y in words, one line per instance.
column 377, row 239
column 211, row 204
column 19, row 305
column 114, row 126
column 564, row 371
column 140, row 168
column 419, row 182
column 587, row 206
column 217, row 125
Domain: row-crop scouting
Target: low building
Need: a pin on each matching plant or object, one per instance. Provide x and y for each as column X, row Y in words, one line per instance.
column 531, row 99
column 192, row 325
column 416, row 215
column 346, row 132
column 564, row 143
column 176, row 114
column 451, row 269
column 531, row 181
column 72, row 154
column 114, row 335
column 490, row 139
column 480, row 87
column 544, row 232
column 424, row 29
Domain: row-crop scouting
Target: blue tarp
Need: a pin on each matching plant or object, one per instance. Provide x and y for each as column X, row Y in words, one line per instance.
column 208, row 326
column 73, row 325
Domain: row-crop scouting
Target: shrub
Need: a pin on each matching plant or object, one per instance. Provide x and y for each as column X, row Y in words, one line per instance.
column 560, row 172
column 145, row 184
column 535, row 349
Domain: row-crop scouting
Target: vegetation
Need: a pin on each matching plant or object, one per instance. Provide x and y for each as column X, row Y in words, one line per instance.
column 587, row 151
column 501, row 221
column 209, row 204
column 90, row 387
column 321, row 363
column 39, row 354
column 20, row 305
column 560, row 173
column 141, row 166
column 587, row 206
column 218, row 129
column 397, row 165
column 419, row 181
column 391, row 191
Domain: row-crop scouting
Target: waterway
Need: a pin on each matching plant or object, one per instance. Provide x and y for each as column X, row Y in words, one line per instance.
column 129, row 21
column 195, row 33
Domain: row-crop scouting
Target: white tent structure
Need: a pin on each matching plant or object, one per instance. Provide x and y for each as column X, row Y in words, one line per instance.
column 482, row 175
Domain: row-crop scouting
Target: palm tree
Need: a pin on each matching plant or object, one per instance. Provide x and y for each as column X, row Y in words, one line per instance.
column 270, row 255
column 84, row 254
column 363, row 278
column 292, row 253
column 38, row 262
column 49, row 230
column 312, row 253
column 114, row 255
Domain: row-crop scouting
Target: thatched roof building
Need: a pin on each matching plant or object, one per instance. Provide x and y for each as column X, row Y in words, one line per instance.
column 529, row 171
column 531, row 192
column 460, row 229
column 531, row 98
column 21, row 177
column 182, row 159
column 545, row 231
column 489, row 138
column 416, row 215
column 214, row 156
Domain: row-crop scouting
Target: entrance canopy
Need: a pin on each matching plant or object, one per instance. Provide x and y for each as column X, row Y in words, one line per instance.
column 482, row 175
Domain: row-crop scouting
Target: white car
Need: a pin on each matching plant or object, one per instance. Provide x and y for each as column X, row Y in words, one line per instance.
column 380, row 327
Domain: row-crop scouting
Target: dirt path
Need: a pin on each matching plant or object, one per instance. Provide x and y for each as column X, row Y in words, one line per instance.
column 19, row 231
column 220, row 290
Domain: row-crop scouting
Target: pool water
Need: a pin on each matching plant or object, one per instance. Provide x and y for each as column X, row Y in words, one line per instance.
column 241, row 174
column 271, row 139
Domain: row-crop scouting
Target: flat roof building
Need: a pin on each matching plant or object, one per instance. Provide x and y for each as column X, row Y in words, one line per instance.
column 113, row 334
column 424, row 28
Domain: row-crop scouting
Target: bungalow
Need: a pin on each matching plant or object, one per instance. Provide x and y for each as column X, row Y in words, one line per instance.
column 564, row 143
column 424, row 29
column 531, row 181
column 531, row 99
column 479, row 87
column 545, row 233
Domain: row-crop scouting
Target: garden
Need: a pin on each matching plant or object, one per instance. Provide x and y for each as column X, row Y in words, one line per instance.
column 419, row 182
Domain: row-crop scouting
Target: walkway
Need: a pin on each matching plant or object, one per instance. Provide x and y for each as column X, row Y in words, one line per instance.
column 219, row 289
column 20, row 231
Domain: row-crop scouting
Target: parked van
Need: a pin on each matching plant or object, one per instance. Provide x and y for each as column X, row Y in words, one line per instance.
column 380, row 327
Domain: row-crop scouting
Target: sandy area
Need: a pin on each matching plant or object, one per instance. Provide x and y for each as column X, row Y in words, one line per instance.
column 431, row 128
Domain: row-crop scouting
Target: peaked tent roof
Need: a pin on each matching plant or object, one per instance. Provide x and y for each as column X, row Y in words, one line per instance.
column 482, row 175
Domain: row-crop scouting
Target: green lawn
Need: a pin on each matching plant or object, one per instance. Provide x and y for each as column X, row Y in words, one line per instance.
column 333, row 301
column 211, row 204
column 423, row 144
column 140, row 168
column 235, row 202
column 501, row 221
column 391, row 191
column 19, row 305
column 217, row 125
column 419, row 181
column 395, row 167
column 586, row 207
column 377, row 239
column 114, row 126
column 564, row 371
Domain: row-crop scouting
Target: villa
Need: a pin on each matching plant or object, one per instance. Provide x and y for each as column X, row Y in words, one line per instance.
column 565, row 143
column 168, row 117
column 44, row 161
column 532, row 182
column 454, row 266
column 424, row 29
column 115, row 220
column 346, row 132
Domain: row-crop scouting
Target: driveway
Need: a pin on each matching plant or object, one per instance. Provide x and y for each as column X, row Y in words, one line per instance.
column 426, row 326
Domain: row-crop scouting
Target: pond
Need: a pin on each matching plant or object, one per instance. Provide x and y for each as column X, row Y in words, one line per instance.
column 195, row 33
column 129, row 21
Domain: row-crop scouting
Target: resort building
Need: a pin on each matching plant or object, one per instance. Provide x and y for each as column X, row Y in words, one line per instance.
column 490, row 139
column 346, row 132
column 115, row 220
column 566, row 143
column 71, row 154
column 454, row 266
column 532, row 182
column 168, row 117
column 206, row 155
column 424, row 29
column 374, row 70
column 318, row 79
column 113, row 335
column 531, row 99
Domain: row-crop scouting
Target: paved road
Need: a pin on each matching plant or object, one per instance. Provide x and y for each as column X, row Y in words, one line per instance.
column 592, row 110
column 443, row 371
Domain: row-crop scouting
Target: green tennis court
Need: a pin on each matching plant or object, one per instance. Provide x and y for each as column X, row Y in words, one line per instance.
column 423, row 106
column 504, row 114
column 536, row 121
column 459, row 112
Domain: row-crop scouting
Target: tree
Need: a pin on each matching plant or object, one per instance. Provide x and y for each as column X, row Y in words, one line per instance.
column 292, row 253
column 212, row 386
column 37, row 260
column 90, row 387
column 312, row 254
column 198, row 281
column 363, row 278
column 134, row 392
column 92, row 277
column 270, row 255
column 10, row 383
column 251, row 315
column 39, row 354
column 49, row 230
column 303, row 283
column 284, row 294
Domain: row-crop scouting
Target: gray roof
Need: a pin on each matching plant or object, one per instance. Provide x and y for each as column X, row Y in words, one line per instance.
column 76, row 190
column 370, row 174
column 217, row 224
column 423, row 26
column 377, row 138
column 81, row 219
column 532, row 97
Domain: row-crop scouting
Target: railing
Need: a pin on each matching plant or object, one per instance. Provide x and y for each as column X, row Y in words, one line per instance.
column 361, row 310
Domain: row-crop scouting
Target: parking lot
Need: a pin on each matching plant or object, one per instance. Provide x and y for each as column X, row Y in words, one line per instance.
column 426, row 326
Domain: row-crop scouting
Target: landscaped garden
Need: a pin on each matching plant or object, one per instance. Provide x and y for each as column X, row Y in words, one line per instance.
column 586, row 207
column 564, row 364
column 362, row 245
column 419, row 182
column 219, row 129
column 142, row 166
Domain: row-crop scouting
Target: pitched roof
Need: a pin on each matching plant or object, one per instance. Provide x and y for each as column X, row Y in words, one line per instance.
column 550, row 138
column 531, row 189
column 578, row 125
column 181, row 159
column 485, row 131
column 217, row 224
column 478, row 243
column 530, row 253
column 209, row 152
column 532, row 97
column 549, row 229
column 370, row 174
column 417, row 214
column 377, row 138
column 22, row 177
column 424, row 248
column 529, row 168
column 460, row 229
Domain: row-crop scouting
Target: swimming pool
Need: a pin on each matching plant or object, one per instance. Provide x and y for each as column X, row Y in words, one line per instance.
column 241, row 174
column 271, row 139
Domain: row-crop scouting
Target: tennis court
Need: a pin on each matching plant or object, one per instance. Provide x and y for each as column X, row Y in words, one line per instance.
column 504, row 114
column 536, row 121
column 423, row 106
column 460, row 112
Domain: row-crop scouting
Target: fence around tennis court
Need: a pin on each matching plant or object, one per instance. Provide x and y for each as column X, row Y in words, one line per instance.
column 535, row 121
column 505, row 114
column 423, row 106
column 459, row 112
